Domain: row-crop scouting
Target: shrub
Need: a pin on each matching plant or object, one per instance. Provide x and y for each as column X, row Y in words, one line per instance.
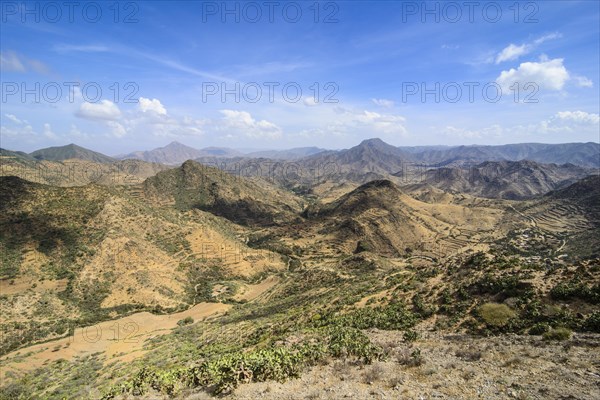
column 539, row 328
column 558, row 334
column 576, row 290
column 468, row 354
column 410, row 336
column 374, row 374
column 592, row 323
column 185, row 321
column 410, row 359
column 495, row 314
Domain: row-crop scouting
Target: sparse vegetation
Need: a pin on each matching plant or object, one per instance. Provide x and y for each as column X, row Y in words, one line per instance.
column 496, row 315
column 560, row 333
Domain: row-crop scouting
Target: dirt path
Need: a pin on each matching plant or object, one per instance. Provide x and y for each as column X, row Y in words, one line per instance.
column 121, row 339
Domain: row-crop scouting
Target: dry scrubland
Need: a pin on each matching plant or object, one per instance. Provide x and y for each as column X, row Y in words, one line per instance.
column 191, row 283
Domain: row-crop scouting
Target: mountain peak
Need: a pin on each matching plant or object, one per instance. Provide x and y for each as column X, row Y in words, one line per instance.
column 373, row 142
column 176, row 144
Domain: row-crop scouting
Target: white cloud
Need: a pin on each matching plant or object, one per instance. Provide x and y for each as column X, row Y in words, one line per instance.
column 153, row 105
column 16, row 120
column 103, row 110
column 92, row 48
column 546, row 74
column 9, row 61
column 513, row 51
column 352, row 122
column 562, row 123
column 544, row 38
column 310, row 102
column 382, row 123
column 383, row 103
column 245, row 124
column 580, row 117
column 116, row 129
column 582, row 81
column 490, row 131
column 48, row 132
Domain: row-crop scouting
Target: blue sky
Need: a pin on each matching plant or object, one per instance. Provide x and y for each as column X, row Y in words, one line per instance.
column 172, row 71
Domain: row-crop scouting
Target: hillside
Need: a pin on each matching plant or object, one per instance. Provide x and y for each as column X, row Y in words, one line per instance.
column 505, row 179
column 202, row 283
column 76, row 172
column 68, row 152
column 94, row 253
column 196, row 186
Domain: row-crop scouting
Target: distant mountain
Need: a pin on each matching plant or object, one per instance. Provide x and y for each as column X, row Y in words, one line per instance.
column 219, row 152
column 176, row 153
column 371, row 159
column 70, row 151
column 17, row 155
column 583, row 154
column 505, row 179
column 172, row 154
column 290, row 154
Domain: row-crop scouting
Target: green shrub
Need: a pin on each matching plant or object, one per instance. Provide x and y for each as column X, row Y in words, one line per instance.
column 185, row 321
column 576, row 290
column 592, row 323
column 558, row 334
column 495, row 314
column 410, row 336
column 539, row 328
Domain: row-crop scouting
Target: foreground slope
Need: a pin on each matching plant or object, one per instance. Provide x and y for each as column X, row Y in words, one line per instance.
column 357, row 293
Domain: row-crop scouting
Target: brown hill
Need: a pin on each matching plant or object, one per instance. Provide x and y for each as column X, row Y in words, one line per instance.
column 505, row 179
column 78, row 255
column 76, row 172
column 242, row 200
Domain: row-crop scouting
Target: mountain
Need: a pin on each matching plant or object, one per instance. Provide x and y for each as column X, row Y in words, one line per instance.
column 369, row 160
column 77, row 172
column 219, row 152
column 197, row 186
column 70, row 151
column 582, row 154
column 16, row 155
column 290, row 154
column 374, row 217
column 176, row 153
column 504, row 179
column 172, row 154
column 584, row 193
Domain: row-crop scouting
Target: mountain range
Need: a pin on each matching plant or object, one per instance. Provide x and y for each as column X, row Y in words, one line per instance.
column 175, row 153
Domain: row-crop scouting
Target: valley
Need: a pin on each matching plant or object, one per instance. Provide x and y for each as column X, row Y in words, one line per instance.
column 189, row 281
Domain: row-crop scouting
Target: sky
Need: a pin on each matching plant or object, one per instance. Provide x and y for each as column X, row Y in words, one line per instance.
column 118, row 77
